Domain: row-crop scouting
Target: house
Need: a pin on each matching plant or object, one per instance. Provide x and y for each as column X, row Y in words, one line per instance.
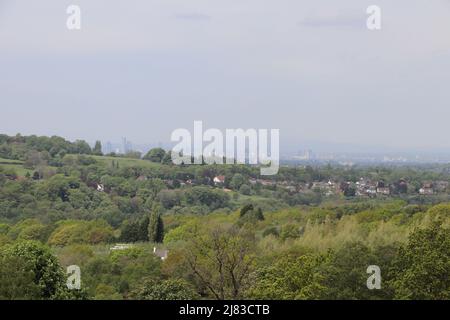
column 218, row 180
column 161, row 253
column 426, row 191
column 371, row 191
column 382, row 188
column 365, row 187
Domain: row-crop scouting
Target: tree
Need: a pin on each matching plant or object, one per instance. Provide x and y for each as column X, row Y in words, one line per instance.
column 156, row 227
column 167, row 159
column 245, row 190
column 80, row 231
column 143, row 229
column 333, row 275
column 170, row 289
column 36, row 176
column 169, row 198
column 250, row 215
column 237, row 181
column 97, row 148
column 222, row 261
column 155, row 155
column 422, row 268
column 290, row 278
column 212, row 198
column 259, row 214
column 134, row 231
column 129, row 231
column 245, row 209
column 350, row 191
column 40, row 263
column 345, row 274
column 81, row 147
column 17, row 279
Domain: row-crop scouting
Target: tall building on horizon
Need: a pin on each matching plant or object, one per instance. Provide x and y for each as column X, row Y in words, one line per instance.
column 127, row 146
column 107, row 148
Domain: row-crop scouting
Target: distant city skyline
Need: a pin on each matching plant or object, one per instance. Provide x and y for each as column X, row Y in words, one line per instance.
column 308, row 155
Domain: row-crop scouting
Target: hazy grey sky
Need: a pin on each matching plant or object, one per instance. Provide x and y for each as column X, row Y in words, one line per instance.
column 142, row 68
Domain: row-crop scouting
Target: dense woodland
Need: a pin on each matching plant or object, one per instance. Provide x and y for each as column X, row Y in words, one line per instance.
column 64, row 203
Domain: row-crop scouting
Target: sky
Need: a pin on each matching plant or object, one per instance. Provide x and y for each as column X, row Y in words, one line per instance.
column 143, row 68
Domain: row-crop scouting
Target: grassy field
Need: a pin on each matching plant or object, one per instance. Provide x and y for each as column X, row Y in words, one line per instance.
column 15, row 165
column 9, row 161
column 126, row 162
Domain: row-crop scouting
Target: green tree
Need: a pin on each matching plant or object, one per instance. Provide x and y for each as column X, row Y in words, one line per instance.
column 80, row 231
column 350, row 191
column 422, row 268
column 155, row 155
column 259, row 214
column 245, row 209
column 17, row 279
column 97, row 148
column 129, row 231
column 81, row 147
column 222, row 261
column 345, row 274
column 171, row 289
column 48, row 275
column 143, row 229
column 237, row 181
column 245, row 190
column 156, row 227
column 250, row 216
column 290, row 278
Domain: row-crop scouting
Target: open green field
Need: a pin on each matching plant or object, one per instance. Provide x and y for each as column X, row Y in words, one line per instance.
column 18, row 168
column 15, row 165
column 9, row 161
column 126, row 162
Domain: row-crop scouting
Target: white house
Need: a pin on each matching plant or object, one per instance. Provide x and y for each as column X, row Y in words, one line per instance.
column 219, row 180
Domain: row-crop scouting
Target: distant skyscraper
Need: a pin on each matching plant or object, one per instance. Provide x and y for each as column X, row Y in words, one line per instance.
column 127, row 146
column 124, row 145
column 108, row 148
